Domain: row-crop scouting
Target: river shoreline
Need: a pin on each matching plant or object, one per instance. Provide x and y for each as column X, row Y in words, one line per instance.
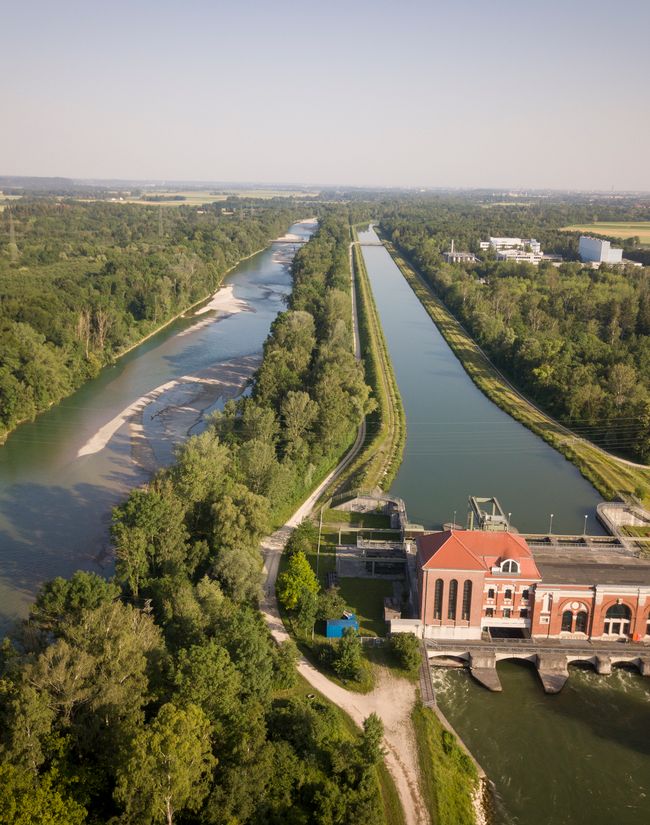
column 55, row 506
column 117, row 356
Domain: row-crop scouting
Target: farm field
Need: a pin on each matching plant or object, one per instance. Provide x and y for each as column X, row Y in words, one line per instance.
column 198, row 197
column 624, row 229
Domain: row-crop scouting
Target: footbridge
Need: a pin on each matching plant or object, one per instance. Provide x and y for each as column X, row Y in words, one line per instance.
column 551, row 659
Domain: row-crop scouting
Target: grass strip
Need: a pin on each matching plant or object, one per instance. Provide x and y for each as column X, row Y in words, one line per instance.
column 379, row 460
column 449, row 779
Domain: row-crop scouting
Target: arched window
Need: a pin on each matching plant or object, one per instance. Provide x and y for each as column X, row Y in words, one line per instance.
column 467, row 600
column 507, row 593
column 567, row 621
column 510, row 566
column 437, row 599
column 617, row 620
column 581, row 622
column 453, row 597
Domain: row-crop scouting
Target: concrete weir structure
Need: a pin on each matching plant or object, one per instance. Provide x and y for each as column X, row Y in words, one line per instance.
column 551, row 661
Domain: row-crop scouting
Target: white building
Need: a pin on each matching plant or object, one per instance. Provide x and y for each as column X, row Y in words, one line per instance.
column 520, row 256
column 500, row 244
column 595, row 250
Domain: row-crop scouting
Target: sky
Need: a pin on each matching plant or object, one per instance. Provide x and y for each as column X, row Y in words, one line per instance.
column 408, row 93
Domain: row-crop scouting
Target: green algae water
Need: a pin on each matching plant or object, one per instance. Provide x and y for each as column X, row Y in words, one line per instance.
column 55, row 506
column 581, row 757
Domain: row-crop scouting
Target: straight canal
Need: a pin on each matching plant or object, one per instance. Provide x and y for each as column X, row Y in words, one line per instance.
column 582, row 756
column 61, row 474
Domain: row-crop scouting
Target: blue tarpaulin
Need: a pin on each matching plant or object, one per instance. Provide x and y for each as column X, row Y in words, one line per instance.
column 334, row 627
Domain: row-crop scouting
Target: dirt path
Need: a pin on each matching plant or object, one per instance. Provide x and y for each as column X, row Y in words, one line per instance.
column 392, row 699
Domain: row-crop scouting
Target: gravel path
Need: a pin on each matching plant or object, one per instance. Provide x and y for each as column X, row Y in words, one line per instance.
column 392, row 699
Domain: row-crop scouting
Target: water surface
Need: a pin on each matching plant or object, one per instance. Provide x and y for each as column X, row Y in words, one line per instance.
column 458, row 442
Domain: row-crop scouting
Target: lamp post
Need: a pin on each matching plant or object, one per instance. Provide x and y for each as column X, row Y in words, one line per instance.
column 584, row 529
column 550, row 526
column 320, row 527
column 509, row 517
column 453, row 521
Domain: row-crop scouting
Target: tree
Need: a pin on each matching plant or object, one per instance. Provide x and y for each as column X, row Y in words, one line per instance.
column 28, row 800
column 206, row 677
column 63, row 599
column 306, row 610
column 348, row 655
column 299, row 413
column 201, row 466
column 371, row 749
column 284, row 664
column 298, row 576
column 169, row 768
column 406, row 649
column 330, row 604
column 28, row 721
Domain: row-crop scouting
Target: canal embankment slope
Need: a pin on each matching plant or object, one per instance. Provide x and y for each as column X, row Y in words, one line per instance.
column 374, row 467
column 612, row 476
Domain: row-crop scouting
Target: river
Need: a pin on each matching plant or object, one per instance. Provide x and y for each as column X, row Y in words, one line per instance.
column 582, row 756
column 58, row 482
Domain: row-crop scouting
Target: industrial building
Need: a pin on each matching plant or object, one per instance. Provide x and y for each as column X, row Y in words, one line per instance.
column 456, row 257
column 596, row 250
column 473, row 583
column 516, row 250
column 524, row 244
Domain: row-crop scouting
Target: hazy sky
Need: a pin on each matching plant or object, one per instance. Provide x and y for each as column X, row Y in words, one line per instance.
column 525, row 93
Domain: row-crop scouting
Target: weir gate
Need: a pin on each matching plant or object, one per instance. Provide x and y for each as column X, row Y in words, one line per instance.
column 551, row 659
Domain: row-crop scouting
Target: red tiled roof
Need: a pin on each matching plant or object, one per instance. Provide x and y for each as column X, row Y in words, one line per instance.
column 475, row 550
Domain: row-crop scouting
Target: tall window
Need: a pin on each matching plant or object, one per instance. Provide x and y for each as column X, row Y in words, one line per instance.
column 491, row 593
column 507, row 594
column 581, row 622
column 437, row 599
column 525, row 593
column 507, row 612
column 467, row 600
column 453, row 597
column 567, row 621
column 617, row 620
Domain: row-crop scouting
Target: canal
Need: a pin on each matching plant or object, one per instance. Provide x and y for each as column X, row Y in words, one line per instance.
column 582, row 756
column 61, row 474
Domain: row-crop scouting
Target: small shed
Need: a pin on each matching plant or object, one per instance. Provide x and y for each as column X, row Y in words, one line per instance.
column 334, row 627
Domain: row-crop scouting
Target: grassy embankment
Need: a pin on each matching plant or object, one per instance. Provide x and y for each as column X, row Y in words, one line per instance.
column 449, row 779
column 612, row 477
column 378, row 461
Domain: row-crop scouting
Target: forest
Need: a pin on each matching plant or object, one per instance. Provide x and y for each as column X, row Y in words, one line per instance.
column 159, row 695
column 81, row 282
column 574, row 339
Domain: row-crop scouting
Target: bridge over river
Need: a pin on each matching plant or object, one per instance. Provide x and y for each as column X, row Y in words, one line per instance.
column 551, row 659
